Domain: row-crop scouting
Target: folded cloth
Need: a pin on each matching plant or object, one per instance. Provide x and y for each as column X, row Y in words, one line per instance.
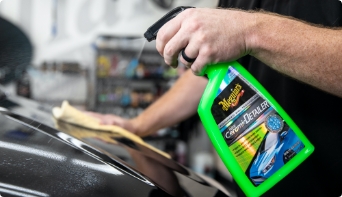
column 69, row 114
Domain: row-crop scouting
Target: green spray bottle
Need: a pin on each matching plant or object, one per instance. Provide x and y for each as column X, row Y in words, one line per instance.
column 255, row 138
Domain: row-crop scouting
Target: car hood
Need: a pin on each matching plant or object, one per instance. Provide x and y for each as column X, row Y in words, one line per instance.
column 45, row 157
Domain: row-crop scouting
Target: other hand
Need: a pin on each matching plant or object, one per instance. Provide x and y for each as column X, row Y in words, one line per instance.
column 109, row 119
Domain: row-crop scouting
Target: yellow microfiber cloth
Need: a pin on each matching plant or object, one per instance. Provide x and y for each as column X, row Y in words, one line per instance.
column 69, row 114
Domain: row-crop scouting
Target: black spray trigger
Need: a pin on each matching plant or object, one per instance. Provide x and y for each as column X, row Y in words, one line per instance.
column 151, row 32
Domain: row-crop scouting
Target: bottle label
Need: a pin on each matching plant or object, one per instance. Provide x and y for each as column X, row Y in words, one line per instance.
column 260, row 140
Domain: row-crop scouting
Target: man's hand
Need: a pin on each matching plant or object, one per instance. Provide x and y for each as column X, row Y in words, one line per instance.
column 109, row 119
column 303, row 51
column 209, row 35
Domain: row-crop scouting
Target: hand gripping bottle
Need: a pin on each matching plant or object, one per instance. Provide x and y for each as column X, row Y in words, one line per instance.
column 255, row 138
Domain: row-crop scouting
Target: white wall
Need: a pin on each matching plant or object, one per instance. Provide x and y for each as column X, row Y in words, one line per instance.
column 10, row 10
column 79, row 22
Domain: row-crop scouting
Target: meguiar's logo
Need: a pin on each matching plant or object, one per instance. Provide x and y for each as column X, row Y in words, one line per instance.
column 233, row 98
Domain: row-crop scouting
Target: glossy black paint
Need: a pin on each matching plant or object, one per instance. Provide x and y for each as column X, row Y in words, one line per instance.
column 44, row 157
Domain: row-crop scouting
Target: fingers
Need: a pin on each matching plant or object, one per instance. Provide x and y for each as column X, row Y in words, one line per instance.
column 199, row 65
column 93, row 114
column 100, row 117
column 183, row 33
column 191, row 51
column 172, row 49
column 166, row 33
column 172, row 38
column 105, row 119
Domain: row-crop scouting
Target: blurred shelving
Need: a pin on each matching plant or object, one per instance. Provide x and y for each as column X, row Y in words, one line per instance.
column 129, row 76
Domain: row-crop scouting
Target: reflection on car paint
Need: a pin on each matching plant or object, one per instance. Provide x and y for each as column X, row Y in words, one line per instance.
column 48, row 160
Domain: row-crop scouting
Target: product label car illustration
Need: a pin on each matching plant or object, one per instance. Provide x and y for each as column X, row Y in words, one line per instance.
column 258, row 137
column 275, row 150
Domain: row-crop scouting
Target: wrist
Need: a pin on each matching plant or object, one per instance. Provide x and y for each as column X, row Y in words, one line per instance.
column 252, row 33
column 264, row 32
column 134, row 125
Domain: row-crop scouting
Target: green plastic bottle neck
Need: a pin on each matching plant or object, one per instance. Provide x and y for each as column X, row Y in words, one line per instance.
column 212, row 70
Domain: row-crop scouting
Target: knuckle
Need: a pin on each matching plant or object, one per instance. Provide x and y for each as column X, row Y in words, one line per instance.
column 194, row 25
column 207, row 51
column 161, row 35
column 168, row 51
column 202, row 38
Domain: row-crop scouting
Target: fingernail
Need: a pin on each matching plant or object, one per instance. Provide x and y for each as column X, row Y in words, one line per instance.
column 174, row 64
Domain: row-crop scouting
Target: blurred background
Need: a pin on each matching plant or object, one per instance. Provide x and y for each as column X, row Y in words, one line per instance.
column 87, row 38
column 93, row 54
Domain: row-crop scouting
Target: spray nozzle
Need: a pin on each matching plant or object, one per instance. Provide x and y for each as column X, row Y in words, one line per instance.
column 151, row 32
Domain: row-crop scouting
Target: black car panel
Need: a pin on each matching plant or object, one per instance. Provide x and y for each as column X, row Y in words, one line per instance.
column 45, row 157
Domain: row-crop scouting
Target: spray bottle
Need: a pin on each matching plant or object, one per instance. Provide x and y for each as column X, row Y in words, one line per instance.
column 255, row 138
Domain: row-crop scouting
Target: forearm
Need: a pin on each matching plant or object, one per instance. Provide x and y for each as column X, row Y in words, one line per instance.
column 177, row 104
column 305, row 52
